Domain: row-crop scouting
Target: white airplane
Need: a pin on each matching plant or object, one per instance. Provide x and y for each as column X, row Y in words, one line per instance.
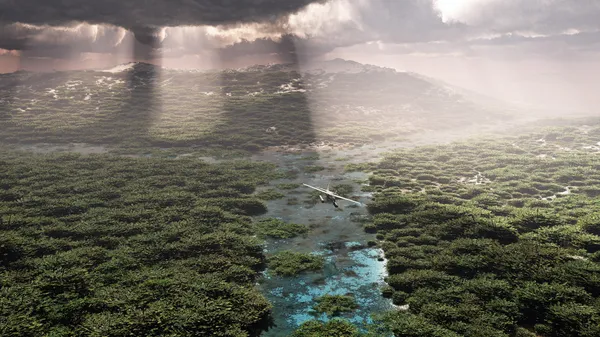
column 330, row 196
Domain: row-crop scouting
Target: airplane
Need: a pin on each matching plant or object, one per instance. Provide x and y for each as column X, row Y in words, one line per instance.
column 330, row 196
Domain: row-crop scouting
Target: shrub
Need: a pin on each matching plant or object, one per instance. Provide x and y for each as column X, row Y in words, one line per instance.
column 399, row 297
column 535, row 299
column 393, row 205
column 574, row 319
column 288, row 263
column 279, row 229
column 386, row 221
column 370, row 228
column 313, row 168
column 387, row 291
column 522, row 332
column 590, row 223
column 343, row 190
column 332, row 328
column 288, row 186
column 404, row 324
column 333, row 305
column 411, row 280
column 526, row 221
column 270, row 194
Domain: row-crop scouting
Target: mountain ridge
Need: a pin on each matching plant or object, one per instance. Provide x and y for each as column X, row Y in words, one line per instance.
column 346, row 102
column 331, row 66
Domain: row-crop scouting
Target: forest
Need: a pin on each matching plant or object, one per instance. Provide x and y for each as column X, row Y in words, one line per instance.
column 485, row 237
column 147, row 106
column 491, row 237
column 104, row 245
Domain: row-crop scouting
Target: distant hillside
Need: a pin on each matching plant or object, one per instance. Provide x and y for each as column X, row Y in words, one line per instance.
column 140, row 104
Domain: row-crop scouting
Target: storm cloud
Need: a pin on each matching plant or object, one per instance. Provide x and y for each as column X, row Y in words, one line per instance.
column 83, row 36
column 143, row 13
column 237, row 27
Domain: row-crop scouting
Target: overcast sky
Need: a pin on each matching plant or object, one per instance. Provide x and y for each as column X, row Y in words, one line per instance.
column 535, row 51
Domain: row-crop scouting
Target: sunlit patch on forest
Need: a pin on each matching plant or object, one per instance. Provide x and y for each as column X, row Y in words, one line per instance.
column 492, row 237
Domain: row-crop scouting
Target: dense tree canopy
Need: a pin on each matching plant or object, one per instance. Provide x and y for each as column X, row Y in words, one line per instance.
column 114, row 246
column 492, row 237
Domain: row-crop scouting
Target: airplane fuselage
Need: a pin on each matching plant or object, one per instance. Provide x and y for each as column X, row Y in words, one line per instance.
column 329, row 198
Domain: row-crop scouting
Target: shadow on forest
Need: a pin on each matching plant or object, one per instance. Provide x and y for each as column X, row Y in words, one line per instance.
column 8, row 84
column 139, row 103
column 171, row 109
column 146, row 106
column 253, row 122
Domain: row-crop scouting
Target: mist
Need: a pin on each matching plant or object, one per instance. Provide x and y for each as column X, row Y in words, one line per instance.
column 557, row 86
column 267, row 168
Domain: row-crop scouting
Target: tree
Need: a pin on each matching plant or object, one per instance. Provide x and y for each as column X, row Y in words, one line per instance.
column 590, row 223
column 333, row 328
column 526, row 221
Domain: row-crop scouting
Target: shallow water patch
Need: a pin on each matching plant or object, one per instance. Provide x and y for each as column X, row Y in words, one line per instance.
column 350, row 269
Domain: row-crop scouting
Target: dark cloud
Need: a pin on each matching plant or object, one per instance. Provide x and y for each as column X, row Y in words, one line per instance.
column 12, row 40
column 84, row 38
column 286, row 50
column 261, row 46
column 142, row 13
column 147, row 35
column 411, row 26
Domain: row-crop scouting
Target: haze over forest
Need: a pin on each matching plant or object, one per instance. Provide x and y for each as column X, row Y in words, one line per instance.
column 158, row 164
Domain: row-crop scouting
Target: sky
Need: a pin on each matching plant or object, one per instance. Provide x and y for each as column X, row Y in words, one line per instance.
column 540, row 52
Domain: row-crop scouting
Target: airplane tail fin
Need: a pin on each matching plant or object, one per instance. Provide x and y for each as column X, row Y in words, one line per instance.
column 328, row 186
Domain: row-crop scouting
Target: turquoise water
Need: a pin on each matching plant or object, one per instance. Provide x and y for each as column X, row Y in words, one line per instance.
column 350, row 269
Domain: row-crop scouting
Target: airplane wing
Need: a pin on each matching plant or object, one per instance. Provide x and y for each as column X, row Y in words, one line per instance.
column 354, row 201
column 331, row 193
column 318, row 189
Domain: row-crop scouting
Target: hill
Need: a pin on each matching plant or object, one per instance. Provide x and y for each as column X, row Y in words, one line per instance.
column 139, row 104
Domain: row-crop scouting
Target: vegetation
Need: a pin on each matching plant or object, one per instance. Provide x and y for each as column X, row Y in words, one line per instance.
column 288, row 263
column 492, row 237
column 110, row 246
column 278, row 229
column 288, row 186
column 313, row 168
column 332, row 328
column 487, row 238
column 147, row 107
column 333, row 305
column 270, row 194
column 292, row 201
column 343, row 190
